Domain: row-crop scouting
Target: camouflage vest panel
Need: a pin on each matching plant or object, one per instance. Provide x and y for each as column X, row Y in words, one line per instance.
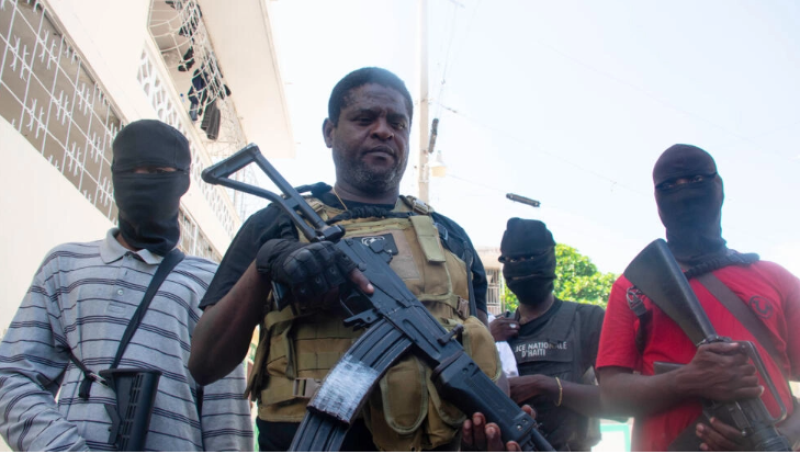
column 404, row 412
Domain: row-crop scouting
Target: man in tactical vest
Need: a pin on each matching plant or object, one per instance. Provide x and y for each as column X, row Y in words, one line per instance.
column 637, row 333
column 367, row 129
column 554, row 342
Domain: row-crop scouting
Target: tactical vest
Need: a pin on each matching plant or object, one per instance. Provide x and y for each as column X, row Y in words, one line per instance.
column 556, row 351
column 405, row 411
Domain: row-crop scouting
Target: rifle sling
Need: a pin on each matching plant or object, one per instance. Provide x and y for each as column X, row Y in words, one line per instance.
column 688, row 440
column 169, row 262
column 739, row 309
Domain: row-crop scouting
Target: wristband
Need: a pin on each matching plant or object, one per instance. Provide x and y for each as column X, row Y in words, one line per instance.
column 560, row 392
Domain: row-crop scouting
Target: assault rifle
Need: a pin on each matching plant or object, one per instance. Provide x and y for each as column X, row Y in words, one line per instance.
column 656, row 274
column 396, row 323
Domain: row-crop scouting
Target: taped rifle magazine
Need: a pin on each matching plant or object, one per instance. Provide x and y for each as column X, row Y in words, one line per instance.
column 344, row 388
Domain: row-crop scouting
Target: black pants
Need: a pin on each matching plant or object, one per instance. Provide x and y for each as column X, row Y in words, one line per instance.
column 277, row 436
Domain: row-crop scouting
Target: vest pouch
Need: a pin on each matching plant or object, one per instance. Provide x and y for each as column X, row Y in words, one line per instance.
column 280, row 358
column 257, row 378
column 479, row 344
column 428, row 236
column 406, row 415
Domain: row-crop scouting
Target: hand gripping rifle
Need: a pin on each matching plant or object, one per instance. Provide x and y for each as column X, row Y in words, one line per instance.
column 396, row 322
column 656, row 274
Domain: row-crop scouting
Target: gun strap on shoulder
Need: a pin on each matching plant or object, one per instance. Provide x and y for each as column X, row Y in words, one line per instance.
column 169, row 262
column 645, row 316
column 737, row 307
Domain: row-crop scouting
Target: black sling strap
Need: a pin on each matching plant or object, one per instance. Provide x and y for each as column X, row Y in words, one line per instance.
column 166, row 266
column 169, row 262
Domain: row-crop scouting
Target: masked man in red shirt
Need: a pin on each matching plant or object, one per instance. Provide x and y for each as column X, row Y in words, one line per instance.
column 666, row 407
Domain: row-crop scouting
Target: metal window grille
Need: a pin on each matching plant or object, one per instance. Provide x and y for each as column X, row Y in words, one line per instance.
column 51, row 97
column 179, row 32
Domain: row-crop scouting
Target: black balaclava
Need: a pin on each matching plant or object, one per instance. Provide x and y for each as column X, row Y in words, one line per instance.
column 529, row 260
column 148, row 202
column 690, row 212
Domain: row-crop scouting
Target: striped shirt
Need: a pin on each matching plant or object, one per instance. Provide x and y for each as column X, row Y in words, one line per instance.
column 82, row 298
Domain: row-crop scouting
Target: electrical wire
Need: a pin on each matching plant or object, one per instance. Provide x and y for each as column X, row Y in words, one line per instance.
column 448, row 62
column 557, row 156
column 655, row 98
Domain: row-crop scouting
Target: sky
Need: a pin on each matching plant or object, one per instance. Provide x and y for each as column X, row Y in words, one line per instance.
column 571, row 103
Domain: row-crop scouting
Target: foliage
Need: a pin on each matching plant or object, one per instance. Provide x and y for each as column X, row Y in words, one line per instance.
column 577, row 280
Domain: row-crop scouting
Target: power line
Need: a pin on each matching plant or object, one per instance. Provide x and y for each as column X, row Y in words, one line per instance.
column 733, row 228
column 657, row 99
column 448, row 63
column 557, row 156
column 475, row 183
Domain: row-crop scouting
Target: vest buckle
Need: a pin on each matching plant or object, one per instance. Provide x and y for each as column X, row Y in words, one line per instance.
column 305, row 387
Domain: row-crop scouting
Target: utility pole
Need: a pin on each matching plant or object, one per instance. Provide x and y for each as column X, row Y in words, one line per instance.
column 423, row 170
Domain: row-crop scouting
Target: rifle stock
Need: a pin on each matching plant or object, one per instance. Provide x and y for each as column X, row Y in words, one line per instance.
column 136, row 391
column 403, row 323
column 656, row 273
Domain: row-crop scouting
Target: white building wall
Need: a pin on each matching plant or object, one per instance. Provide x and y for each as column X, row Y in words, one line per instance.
column 112, row 39
column 40, row 206
column 111, row 36
column 40, row 209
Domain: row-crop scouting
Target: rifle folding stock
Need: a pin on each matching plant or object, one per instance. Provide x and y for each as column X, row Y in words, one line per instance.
column 656, row 274
column 396, row 322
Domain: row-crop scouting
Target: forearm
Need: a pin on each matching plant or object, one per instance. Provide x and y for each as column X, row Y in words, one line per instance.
column 30, row 420
column 623, row 393
column 222, row 336
column 584, row 399
column 33, row 367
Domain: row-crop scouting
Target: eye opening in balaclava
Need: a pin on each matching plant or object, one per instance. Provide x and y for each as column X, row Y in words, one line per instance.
column 529, row 260
column 149, row 203
column 689, row 194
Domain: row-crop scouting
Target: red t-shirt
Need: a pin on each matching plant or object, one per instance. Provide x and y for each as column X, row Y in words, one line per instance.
column 771, row 291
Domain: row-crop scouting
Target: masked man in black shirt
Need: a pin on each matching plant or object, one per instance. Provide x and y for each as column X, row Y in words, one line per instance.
column 554, row 341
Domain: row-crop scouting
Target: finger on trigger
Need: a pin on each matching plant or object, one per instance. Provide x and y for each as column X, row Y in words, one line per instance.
column 358, row 278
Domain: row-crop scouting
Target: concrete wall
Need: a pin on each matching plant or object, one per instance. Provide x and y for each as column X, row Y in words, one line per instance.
column 111, row 37
column 40, row 209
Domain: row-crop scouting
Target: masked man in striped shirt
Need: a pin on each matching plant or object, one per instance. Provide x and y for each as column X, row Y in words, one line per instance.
column 81, row 301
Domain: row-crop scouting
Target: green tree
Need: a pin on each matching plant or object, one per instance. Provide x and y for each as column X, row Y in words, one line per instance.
column 577, row 279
